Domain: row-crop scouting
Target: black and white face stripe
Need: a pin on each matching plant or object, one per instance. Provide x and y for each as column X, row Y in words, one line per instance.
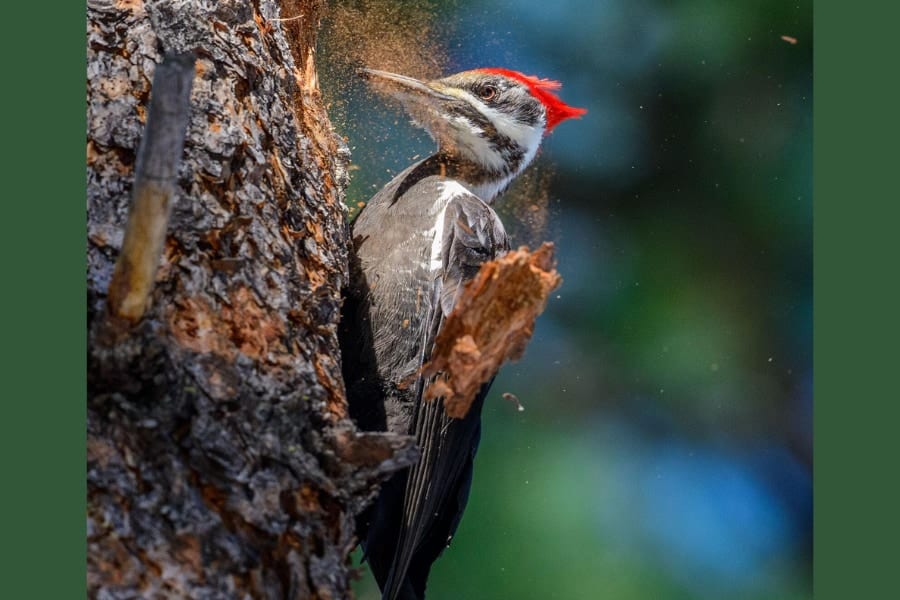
column 501, row 94
column 475, row 136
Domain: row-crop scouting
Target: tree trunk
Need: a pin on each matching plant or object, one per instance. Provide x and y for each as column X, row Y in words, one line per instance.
column 221, row 463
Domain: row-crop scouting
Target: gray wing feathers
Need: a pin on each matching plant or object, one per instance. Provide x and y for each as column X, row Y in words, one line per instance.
column 472, row 235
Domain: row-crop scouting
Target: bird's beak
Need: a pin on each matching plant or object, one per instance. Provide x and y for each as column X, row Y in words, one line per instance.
column 426, row 103
column 403, row 87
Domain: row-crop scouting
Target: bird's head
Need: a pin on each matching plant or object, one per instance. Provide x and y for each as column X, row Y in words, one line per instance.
column 494, row 119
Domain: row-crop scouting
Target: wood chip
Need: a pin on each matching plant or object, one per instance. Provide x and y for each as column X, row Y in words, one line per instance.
column 491, row 324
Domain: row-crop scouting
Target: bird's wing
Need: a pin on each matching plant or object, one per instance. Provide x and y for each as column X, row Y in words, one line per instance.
column 472, row 235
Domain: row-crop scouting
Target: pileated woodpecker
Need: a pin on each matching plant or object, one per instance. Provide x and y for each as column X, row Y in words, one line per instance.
column 416, row 243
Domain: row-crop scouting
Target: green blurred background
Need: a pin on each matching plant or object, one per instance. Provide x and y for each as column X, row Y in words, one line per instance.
column 665, row 449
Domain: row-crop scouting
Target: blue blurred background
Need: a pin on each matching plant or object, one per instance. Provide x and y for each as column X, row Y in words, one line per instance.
column 665, row 449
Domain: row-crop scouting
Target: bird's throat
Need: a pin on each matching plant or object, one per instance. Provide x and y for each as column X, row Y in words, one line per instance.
column 485, row 181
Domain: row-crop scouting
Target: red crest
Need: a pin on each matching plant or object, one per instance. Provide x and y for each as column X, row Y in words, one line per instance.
column 542, row 89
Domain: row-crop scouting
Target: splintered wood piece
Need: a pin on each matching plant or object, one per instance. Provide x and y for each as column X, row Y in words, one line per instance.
column 491, row 323
column 156, row 173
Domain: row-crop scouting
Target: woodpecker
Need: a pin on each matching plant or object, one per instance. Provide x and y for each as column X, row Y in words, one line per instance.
column 415, row 244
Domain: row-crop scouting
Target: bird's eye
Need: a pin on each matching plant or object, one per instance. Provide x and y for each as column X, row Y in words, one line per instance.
column 487, row 92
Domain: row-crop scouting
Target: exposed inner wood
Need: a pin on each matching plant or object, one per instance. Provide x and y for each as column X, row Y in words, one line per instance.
column 491, row 323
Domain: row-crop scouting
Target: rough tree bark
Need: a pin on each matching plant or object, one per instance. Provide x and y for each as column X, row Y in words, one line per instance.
column 221, row 463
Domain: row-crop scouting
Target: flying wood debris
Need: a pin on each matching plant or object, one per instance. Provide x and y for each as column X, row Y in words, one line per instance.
column 491, row 323
column 514, row 399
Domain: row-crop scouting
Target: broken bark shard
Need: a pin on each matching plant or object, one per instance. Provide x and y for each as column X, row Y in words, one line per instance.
column 491, row 323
